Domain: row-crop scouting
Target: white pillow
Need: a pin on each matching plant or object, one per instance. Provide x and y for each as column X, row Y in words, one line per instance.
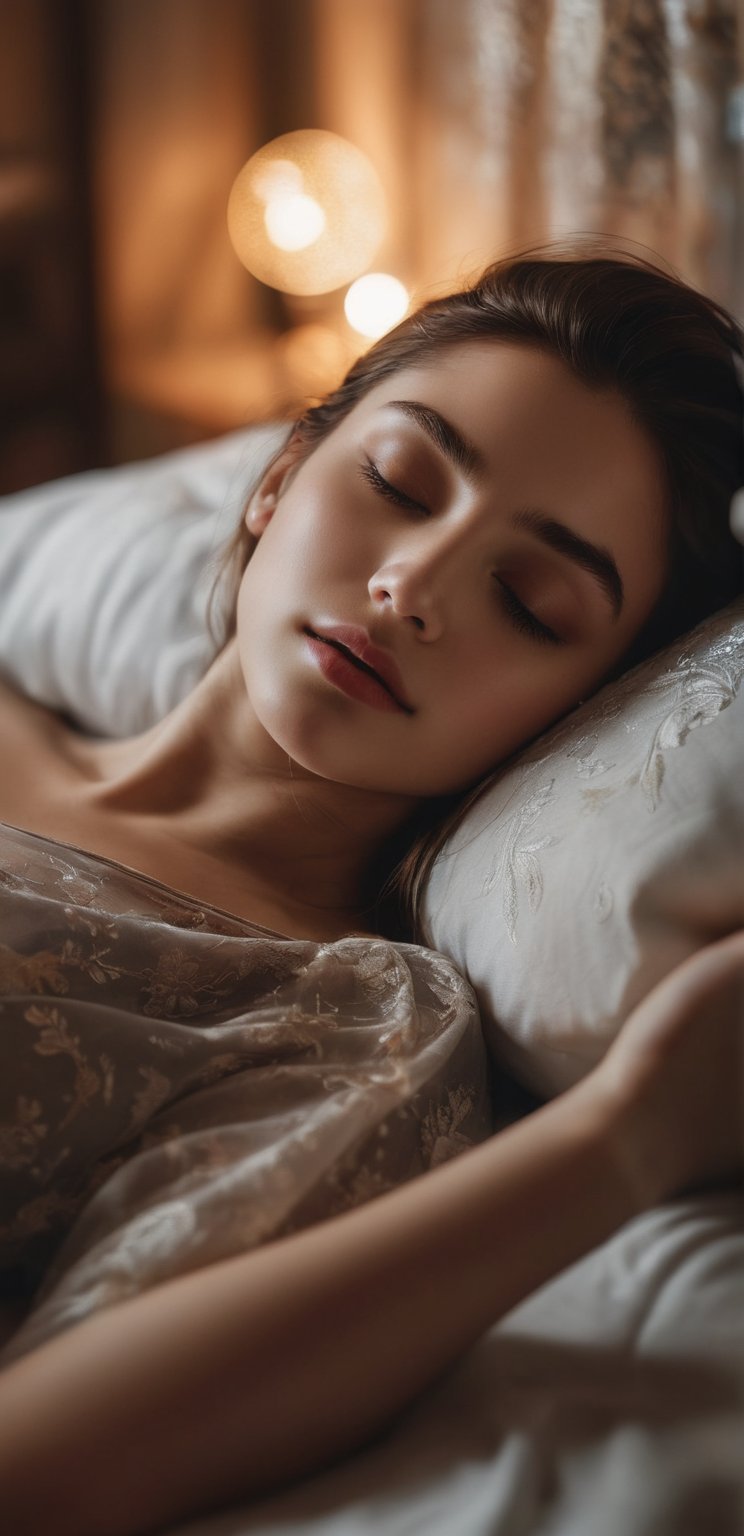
column 105, row 576
column 611, row 849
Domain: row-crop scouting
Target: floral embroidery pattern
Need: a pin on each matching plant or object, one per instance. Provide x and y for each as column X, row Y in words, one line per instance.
column 701, row 695
column 173, row 986
column 518, row 864
column 440, row 1134
column 31, row 973
column 44, row 969
column 372, row 964
column 56, row 1040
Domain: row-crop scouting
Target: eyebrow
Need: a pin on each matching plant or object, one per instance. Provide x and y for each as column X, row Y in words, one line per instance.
column 464, row 455
column 471, row 462
column 590, row 557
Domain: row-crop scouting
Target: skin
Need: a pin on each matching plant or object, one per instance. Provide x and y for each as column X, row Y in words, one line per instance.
column 289, row 783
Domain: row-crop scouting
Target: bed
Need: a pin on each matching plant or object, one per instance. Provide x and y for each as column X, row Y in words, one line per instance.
column 611, row 1402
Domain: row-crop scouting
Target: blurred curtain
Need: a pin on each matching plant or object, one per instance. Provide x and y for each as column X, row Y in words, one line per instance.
column 176, row 110
column 537, row 118
column 493, row 123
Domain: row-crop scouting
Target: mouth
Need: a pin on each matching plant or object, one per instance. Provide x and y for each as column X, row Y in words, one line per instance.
column 366, row 667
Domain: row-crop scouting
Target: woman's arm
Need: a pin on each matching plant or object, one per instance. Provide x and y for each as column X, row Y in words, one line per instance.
column 260, row 1369
column 264, row 1368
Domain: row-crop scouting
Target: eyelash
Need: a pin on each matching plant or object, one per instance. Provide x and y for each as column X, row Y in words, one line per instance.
column 521, row 617
column 376, row 480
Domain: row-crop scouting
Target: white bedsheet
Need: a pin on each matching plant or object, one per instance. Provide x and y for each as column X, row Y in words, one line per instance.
column 608, row 1404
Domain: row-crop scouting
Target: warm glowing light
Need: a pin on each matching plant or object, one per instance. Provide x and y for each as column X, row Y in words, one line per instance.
column 307, row 212
column 315, row 358
column 275, row 178
column 375, row 303
column 295, row 222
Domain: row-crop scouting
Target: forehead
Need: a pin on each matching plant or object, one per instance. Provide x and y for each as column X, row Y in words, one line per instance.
column 494, row 389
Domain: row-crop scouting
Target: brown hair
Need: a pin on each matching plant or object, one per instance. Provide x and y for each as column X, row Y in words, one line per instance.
column 618, row 321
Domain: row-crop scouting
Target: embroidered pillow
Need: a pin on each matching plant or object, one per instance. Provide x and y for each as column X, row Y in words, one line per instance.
column 611, row 849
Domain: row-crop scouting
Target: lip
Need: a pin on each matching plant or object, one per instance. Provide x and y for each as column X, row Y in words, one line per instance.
column 357, row 642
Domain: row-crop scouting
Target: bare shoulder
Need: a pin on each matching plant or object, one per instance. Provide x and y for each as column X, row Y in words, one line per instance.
column 29, row 733
column 20, row 714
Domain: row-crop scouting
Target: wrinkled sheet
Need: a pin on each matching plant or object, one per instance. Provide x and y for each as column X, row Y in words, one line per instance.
column 608, row 1404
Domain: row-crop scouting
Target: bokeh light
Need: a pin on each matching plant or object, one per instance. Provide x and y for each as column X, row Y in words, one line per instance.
column 375, row 303
column 294, row 222
column 314, row 357
column 307, row 214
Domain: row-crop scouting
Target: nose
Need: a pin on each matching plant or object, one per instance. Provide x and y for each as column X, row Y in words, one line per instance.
column 408, row 588
column 421, row 573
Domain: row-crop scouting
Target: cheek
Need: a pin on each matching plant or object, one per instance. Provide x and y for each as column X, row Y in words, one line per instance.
column 480, row 720
column 496, row 708
column 316, row 533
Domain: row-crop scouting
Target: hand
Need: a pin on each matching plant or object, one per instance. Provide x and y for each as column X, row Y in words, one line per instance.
column 676, row 1070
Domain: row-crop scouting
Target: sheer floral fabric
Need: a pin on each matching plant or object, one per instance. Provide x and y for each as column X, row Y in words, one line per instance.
column 179, row 1086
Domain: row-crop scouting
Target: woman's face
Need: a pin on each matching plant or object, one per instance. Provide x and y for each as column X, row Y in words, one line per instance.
column 492, row 527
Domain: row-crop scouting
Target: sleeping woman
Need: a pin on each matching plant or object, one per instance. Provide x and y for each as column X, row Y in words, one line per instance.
column 247, row 1147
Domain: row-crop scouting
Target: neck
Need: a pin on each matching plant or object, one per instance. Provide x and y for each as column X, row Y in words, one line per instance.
column 207, row 779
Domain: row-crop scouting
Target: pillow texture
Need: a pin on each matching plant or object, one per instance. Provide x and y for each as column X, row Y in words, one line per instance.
column 105, row 576
column 602, row 856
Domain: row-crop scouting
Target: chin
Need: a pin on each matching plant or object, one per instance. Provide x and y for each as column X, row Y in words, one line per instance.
column 324, row 743
column 315, row 753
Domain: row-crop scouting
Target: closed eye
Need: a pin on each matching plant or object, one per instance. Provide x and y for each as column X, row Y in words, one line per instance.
column 524, row 619
column 372, row 474
column 521, row 617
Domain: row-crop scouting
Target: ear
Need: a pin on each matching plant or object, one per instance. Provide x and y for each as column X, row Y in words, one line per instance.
column 263, row 502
